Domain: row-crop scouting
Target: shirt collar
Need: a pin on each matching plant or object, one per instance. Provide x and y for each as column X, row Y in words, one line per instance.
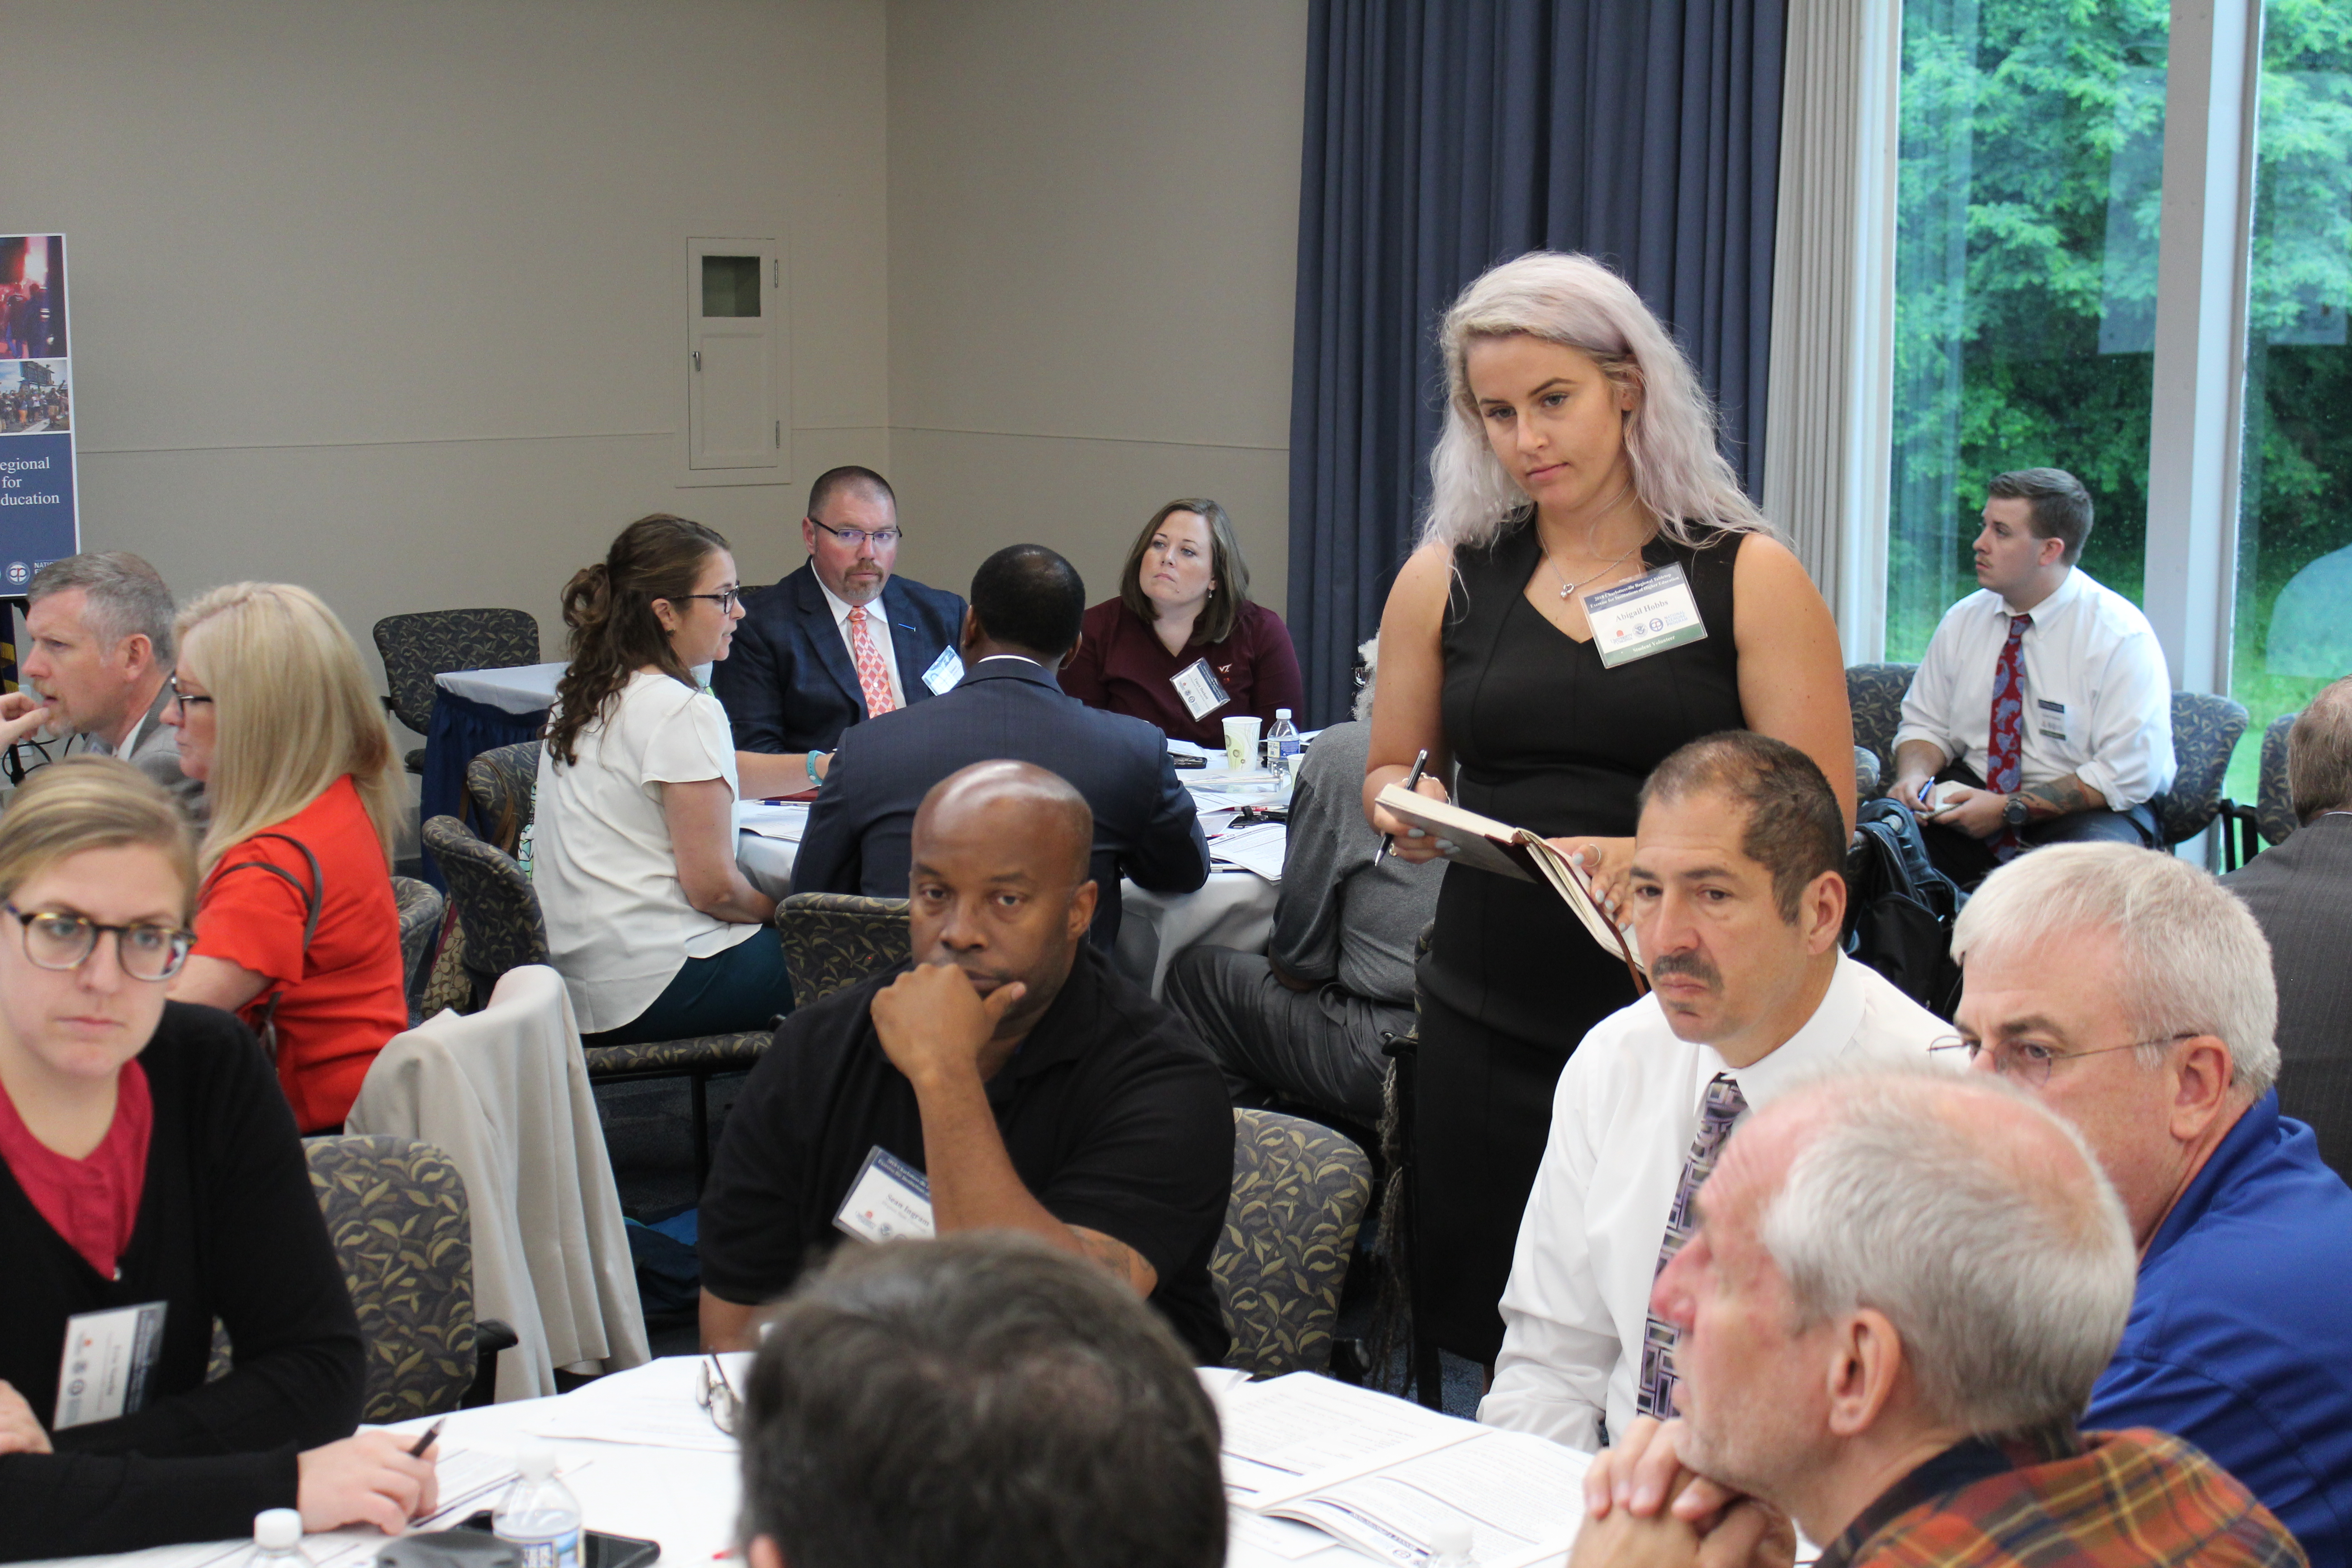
column 1823, row 1037
column 841, row 606
column 152, row 716
column 1062, row 1032
column 1961, row 1465
column 2061, row 597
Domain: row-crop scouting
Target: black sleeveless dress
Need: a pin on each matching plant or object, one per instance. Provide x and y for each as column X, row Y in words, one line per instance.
column 1548, row 740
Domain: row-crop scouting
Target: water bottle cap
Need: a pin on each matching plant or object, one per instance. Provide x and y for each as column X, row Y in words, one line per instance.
column 1451, row 1539
column 1282, row 713
column 535, row 1460
column 278, row 1528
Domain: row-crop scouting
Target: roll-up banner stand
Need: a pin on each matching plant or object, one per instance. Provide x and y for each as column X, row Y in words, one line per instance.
column 37, row 515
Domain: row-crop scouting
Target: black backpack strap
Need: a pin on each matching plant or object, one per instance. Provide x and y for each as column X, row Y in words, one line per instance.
column 313, row 901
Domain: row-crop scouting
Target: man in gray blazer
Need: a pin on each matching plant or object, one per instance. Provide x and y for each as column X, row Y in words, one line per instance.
column 2301, row 893
column 98, row 657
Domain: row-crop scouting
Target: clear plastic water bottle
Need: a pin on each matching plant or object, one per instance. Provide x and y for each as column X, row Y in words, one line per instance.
column 538, row 1517
column 1282, row 743
column 278, row 1540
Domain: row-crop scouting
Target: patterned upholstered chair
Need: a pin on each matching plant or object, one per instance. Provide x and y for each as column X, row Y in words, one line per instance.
column 498, row 911
column 421, row 906
column 2205, row 730
column 416, row 648
column 832, row 941
column 1299, row 1191
column 1876, row 692
column 1865, row 774
column 2274, row 812
column 395, row 1213
column 501, row 791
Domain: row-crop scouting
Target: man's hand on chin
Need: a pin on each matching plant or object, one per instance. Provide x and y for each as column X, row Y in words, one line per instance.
column 934, row 1025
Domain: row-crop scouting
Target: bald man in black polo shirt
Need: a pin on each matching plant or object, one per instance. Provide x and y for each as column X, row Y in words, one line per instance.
column 1008, row 1079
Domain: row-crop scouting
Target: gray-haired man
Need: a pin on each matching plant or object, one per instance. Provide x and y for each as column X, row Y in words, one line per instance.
column 99, row 658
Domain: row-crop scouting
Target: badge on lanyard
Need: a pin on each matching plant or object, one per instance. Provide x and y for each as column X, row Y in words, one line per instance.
column 1198, row 689
column 889, row 1200
column 1644, row 615
column 107, row 1359
column 945, row 671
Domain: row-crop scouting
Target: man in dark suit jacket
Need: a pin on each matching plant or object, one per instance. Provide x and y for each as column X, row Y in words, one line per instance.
column 2301, row 893
column 1026, row 603
column 792, row 682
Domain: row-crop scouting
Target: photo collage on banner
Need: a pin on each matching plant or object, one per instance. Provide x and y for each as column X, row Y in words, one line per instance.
column 36, row 450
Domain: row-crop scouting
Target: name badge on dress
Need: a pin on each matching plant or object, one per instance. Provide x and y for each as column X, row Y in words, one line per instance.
column 107, row 1359
column 1644, row 615
column 1198, row 689
column 890, row 1201
column 2050, row 718
column 945, row 671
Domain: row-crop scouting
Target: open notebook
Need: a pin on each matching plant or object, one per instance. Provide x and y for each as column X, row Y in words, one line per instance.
column 1509, row 851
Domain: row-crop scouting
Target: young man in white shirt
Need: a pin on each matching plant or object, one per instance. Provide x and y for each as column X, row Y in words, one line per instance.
column 1739, row 900
column 2044, row 703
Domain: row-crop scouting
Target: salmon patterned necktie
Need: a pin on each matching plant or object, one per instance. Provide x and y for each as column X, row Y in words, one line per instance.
column 2005, row 751
column 873, row 676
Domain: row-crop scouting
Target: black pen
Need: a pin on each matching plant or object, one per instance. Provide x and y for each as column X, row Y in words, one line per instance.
column 426, row 1441
column 1387, row 840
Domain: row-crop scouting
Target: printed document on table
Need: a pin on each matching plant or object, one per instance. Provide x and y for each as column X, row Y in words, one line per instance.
column 1280, row 1434
column 786, row 820
column 1521, row 1497
column 653, row 1405
column 1257, row 848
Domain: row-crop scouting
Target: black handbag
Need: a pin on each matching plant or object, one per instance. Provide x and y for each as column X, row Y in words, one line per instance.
column 1899, row 907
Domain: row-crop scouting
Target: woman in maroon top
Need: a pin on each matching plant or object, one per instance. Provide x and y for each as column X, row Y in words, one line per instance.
column 1183, row 598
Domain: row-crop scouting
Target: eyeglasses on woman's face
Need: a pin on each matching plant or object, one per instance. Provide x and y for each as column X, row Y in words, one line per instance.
column 62, row 939
column 185, row 698
column 726, row 599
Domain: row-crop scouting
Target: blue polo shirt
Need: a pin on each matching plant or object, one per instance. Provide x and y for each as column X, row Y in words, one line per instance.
column 2240, row 1338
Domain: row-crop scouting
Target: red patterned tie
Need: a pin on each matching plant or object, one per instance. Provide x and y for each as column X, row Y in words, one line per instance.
column 872, row 675
column 2005, row 751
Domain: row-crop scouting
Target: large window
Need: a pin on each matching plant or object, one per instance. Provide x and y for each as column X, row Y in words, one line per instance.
column 2294, row 604
column 2028, row 193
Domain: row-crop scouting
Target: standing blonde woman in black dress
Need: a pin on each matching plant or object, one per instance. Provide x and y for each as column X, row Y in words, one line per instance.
column 1578, row 454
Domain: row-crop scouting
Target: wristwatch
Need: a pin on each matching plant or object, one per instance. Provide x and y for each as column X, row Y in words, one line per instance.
column 2014, row 811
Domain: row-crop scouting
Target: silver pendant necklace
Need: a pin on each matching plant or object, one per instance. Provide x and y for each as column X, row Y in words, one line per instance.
column 1566, row 587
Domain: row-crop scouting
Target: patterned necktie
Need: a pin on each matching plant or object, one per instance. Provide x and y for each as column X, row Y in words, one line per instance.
column 2005, row 751
column 1723, row 1106
column 873, row 676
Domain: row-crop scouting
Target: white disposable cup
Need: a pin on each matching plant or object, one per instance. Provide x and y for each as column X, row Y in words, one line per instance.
column 1240, row 744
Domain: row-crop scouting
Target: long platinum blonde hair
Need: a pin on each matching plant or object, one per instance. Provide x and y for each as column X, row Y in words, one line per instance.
column 1575, row 301
column 292, row 709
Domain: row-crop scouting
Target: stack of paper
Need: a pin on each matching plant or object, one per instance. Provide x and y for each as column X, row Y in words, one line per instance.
column 1257, row 848
column 781, row 819
column 1383, row 1476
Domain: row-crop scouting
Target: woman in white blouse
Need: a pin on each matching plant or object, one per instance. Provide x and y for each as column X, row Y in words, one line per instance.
column 655, row 929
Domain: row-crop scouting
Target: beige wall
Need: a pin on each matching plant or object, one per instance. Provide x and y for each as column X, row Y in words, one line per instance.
column 390, row 299
column 1093, row 253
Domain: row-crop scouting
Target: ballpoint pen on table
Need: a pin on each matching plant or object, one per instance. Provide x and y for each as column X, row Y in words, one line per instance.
column 426, row 1441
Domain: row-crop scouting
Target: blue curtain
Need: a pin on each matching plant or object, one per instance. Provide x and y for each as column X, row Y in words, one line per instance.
column 1443, row 136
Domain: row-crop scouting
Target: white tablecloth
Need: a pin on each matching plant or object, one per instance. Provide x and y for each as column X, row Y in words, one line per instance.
column 684, row 1498
column 525, row 688
column 1232, row 908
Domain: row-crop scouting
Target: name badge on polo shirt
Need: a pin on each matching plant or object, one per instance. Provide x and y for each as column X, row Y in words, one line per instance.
column 107, row 1359
column 890, row 1201
column 945, row 671
column 1644, row 615
column 2049, row 718
column 1198, row 689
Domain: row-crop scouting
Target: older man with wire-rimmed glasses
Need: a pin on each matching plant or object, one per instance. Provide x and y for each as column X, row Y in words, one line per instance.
column 2132, row 995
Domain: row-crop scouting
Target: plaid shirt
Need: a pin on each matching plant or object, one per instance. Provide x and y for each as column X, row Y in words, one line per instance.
column 2101, row 1499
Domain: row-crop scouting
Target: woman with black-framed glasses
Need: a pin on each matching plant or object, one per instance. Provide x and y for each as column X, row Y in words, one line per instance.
column 657, row 933
column 152, row 1181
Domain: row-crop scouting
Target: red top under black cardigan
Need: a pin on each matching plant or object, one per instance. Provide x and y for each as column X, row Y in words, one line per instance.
column 1123, row 666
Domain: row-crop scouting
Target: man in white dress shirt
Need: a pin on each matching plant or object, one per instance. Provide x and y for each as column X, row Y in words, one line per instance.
column 2042, row 709
column 1740, row 902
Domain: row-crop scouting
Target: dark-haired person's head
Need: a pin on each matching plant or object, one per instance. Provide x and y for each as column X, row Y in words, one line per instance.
column 851, row 529
column 2035, row 521
column 979, row 1401
column 1739, row 889
column 2319, row 753
column 1026, row 600
column 664, row 596
column 1187, row 561
column 1001, row 882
